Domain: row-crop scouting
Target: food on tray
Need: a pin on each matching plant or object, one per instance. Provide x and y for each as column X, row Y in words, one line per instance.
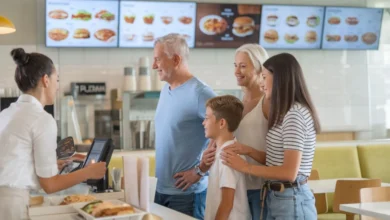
column 272, row 19
column 271, row 36
column 105, row 34
column 351, row 38
column 36, row 200
column 81, row 33
column 82, row 15
column 352, row 20
column 333, row 38
column 104, row 209
column 166, row 19
column 58, row 34
column 130, row 19
column 291, row 38
column 313, row 21
column 215, row 25
column 248, row 9
column 292, row 20
column 311, row 36
column 77, row 198
column 243, row 26
column 58, row 14
column 148, row 19
column 149, row 36
column 334, row 20
column 185, row 20
column 369, row 38
column 105, row 15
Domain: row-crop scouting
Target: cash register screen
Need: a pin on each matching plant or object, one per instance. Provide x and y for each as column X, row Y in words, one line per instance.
column 96, row 152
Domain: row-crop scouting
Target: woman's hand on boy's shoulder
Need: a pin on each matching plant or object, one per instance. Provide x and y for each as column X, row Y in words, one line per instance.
column 238, row 148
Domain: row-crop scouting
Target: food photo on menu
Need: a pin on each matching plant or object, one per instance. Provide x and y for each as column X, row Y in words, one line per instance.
column 83, row 23
column 292, row 27
column 142, row 22
column 227, row 25
column 352, row 28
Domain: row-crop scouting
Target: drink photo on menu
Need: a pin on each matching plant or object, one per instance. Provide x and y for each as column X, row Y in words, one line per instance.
column 227, row 25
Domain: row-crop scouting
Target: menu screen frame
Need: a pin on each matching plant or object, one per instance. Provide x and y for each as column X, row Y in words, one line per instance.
column 256, row 23
column 319, row 36
column 91, row 34
column 152, row 1
column 350, row 48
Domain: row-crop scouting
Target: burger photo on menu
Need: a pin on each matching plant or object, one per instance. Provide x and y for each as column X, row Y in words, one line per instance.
column 148, row 19
column 82, row 15
column 58, row 34
column 369, row 38
column 271, row 36
column 105, row 35
column 291, row 38
column 333, row 38
column 243, row 26
column 352, row 21
column 166, row 19
column 129, row 19
column 148, row 36
column 313, row 21
column 105, row 15
column 311, row 37
column 334, row 20
column 81, row 33
column 292, row 21
column 185, row 20
column 213, row 24
column 272, row 20
column 58, row 14
column 351, row 38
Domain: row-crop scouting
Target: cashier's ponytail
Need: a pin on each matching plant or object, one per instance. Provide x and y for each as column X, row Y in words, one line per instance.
column 30, row 68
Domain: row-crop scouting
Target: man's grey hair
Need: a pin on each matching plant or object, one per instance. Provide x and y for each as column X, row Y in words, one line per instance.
column 174, row 44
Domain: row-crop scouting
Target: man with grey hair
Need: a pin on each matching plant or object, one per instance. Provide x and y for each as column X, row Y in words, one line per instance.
column 180, row 136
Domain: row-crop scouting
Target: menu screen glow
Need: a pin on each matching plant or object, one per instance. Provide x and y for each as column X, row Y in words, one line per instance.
column 298, row 27
column 352, row 28
column 142, row 22
column 82, row 23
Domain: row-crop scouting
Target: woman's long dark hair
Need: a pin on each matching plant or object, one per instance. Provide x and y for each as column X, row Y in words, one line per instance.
column 288, row 87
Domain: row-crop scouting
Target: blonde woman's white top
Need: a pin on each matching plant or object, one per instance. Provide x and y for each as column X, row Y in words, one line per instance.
column 252, row 132
column 27, row 144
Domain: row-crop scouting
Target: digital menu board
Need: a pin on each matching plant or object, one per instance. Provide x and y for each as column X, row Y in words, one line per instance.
column 227, row 25
column 141, row 22
column 82, row 23
column 291, row 27
column 352, row 28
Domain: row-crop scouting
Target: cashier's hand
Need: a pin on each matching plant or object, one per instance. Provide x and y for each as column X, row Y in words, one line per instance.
column 63, row 163
column 96, row 170
column 186, row 178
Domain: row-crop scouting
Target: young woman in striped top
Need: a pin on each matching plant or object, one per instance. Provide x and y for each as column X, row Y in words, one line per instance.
column 293, row 124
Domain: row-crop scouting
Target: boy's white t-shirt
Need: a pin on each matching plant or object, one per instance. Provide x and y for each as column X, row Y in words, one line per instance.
column 220, row 176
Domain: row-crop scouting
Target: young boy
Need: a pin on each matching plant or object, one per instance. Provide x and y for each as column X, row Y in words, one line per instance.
column 226, row 192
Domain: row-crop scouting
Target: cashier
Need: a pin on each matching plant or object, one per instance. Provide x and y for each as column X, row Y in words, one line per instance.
column 28, row 139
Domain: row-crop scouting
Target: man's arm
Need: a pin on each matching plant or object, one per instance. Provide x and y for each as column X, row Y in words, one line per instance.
column 226, row 205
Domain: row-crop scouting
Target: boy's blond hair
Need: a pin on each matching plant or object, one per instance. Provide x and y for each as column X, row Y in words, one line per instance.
column 227, row 107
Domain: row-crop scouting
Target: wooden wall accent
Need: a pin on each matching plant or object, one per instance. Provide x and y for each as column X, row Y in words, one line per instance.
column 336, row 136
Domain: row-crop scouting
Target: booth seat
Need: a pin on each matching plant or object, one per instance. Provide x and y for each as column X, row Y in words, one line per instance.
column 351, row 161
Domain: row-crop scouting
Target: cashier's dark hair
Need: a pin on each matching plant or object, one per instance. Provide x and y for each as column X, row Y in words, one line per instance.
column 30, row 68
column 288, row 87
